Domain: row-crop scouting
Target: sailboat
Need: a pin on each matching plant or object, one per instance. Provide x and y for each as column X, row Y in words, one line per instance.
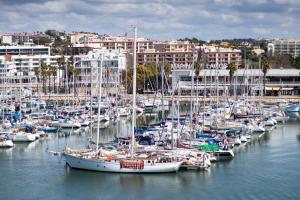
column 121, row 161
column 5, row 142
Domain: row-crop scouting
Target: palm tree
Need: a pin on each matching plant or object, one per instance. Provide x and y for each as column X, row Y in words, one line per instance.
column 20, row 69
column 265, row 68
column 49, row 73
column 76, row 73
column 197, row 68
column 54, row 73
column 167, row 70
column 37, row 72
column 232, row 67
column 61, row 65
column 44, row 74
column 70, row 70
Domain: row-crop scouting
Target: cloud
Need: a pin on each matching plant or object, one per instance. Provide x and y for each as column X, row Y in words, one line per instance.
column 157, row 19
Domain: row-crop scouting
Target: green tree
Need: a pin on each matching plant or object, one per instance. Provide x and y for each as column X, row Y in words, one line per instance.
column 49, row 73
column 265, row 68
column 232, row 68
column 76, row 73
column 168, row 71
column 198, row 67
column 37, row 73
column 41, row 41
column 52, row 70
column 296, row 62
column 70, row 70
column 61, row 67
column 44, row 75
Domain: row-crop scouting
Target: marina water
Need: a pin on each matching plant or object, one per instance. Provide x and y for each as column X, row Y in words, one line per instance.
column 266, row 168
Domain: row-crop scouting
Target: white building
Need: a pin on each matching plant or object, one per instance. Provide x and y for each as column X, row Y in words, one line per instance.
column 109, row 42
column 80, row 37
column 291, row 47
column 19, row 50
column 20, row 68
column 111, row 61
column 278, row 81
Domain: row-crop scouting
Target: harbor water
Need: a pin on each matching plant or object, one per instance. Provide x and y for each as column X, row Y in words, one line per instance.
column 266, row 168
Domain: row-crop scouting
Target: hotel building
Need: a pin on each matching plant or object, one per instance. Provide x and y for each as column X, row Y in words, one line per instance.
column 18, row 62
column 291, row 47
column 112, row 63
column 215, row 55
column 148, row 51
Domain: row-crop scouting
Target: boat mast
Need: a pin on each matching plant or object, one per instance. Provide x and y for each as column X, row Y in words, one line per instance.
column 99, row 76
column 162, row 89
column 133, row 92
column 260, row 84
column 156, row 72
column 173, row 111
column 204, row 99
column 192, row 91
column 91, row 103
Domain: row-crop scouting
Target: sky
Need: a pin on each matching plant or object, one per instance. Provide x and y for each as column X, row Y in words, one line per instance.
column 157, row 19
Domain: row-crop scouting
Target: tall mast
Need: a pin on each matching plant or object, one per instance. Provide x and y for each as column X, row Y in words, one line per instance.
column 260, row 82
column 204, row 99
column 162, row 89
column 91, row 101
column 133, row 92
column 173, row 111
column 99, row 77
column 192, row 91
column 156, row 71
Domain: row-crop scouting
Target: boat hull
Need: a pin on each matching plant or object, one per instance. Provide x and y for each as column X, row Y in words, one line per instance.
column 114, row 166
column 293, row 108
column 6, row 144
column 24, row 138
column 224, row 154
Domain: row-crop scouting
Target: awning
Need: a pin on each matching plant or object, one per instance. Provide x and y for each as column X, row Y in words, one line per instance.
column 287, row 88
column 185, row 87
column 273, row 88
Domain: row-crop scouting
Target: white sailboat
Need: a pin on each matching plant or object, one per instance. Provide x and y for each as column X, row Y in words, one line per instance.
column 91, row 161
column 69, row 124
column 23, row 137
column 121, row 163
column 6, row 143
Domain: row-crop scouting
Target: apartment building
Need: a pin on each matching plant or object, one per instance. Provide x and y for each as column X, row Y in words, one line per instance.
column 148, row 51
column 112, row 63
column 78, row 38
column 168, row 52
column 17, row 38
column 19, row 50
column 291, row 47
column 216, row 55
column 109, row 42
column 20, row 68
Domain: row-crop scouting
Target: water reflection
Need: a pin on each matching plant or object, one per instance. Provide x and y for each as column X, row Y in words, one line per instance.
column 294, row 116
column 6, row 151
column 132, row 184
column 263, row 168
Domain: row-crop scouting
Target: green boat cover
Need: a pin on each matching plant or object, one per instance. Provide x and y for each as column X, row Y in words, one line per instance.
column 208, row 148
